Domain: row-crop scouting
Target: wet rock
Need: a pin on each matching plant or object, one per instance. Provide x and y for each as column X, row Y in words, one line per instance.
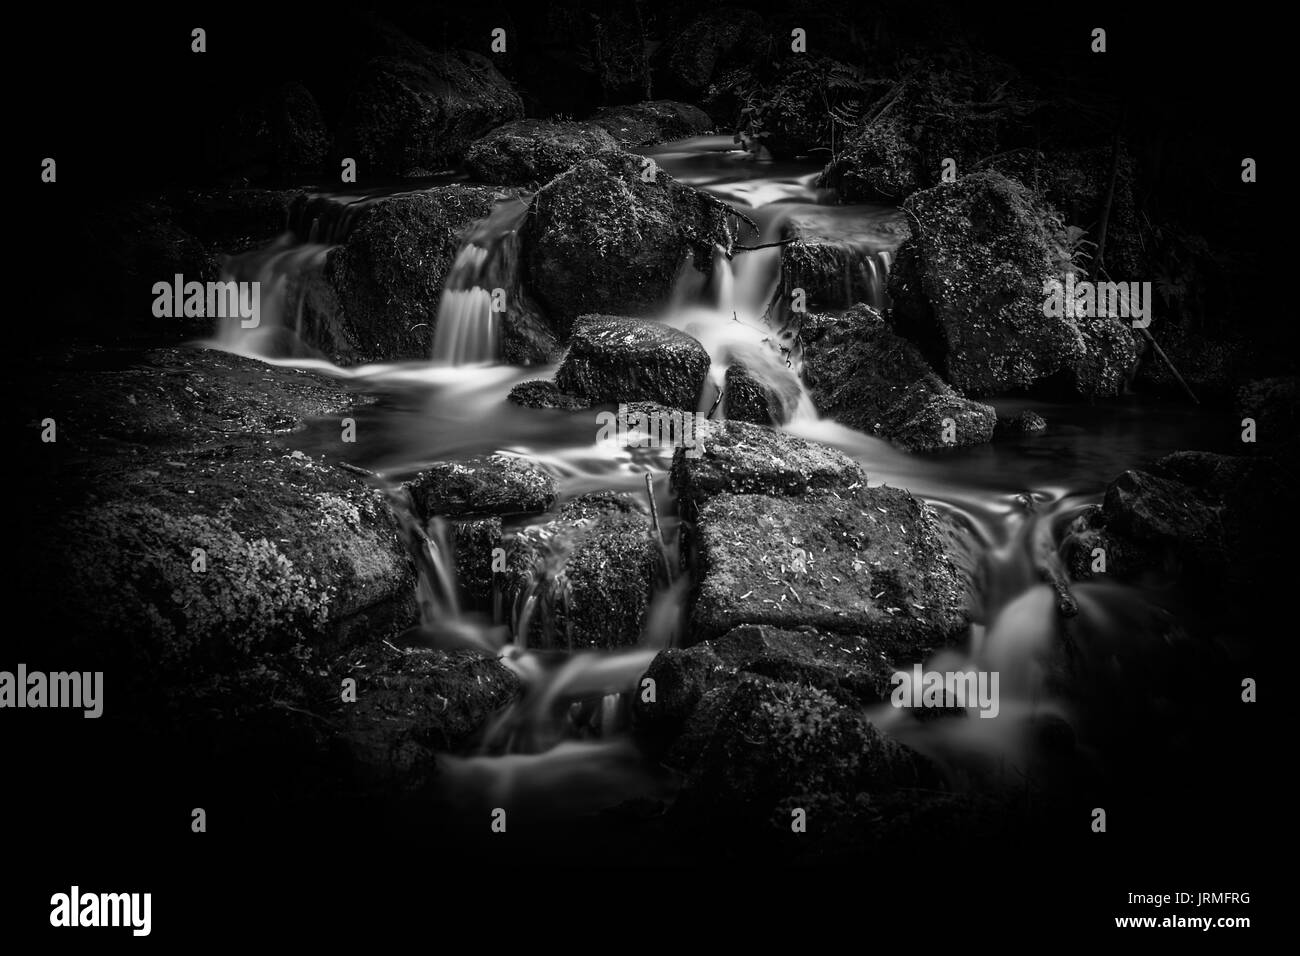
column 867, row 561
column 280, row 135
column 833, row 274
column 615, row 359
column 600, row 239
column 1026, row 423
column 771, row 399
column 528, row 152
column 926, row 418
column 969, row 288
column 412, row 704
column 756, row 749
column 691, row 57
column 589, row 572
column 376, row 298
column 545, row 394
column 413, row 110
column 848, row 670
column 492, row 485
column 652, row 122
column 865, row 376
column 473, row 541
column 201, row 538
column 743, row 458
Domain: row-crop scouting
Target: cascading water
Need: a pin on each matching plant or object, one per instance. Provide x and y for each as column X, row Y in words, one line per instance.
column 566, row 734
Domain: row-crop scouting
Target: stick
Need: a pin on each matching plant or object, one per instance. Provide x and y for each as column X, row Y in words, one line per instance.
column 654, row 520
column 1170, row 365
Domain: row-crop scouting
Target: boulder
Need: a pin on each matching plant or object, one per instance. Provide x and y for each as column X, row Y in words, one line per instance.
column 529, row 152
column 652, row 122
column 601, row 239
column 969, row 287
column 865, row 376
column 493, row 485
column 615, row 359
column 584, row 578
column 203, row 538
column 376, row 298
column 867, row 561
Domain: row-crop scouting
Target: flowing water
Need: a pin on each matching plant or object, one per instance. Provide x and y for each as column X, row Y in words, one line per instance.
column 565, row 742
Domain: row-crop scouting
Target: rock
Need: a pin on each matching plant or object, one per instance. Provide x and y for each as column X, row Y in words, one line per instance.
column 527, row 152
column 494, row 485
column 756, row 749
column 545, row 394
column 880, row 165
column 848, row 670
column 599, row 239
column 652, row 122
column 865, row 376
column 202, row 540
column 413, row 110
column 473, row 541
column 866, row 561
column 926, row 418
column 833, row 273
column 1157, row 511
column 614, row 359
column 749, row 400
column 743, row 458
column 591, row 570
column 412, row 704
column 969, row 288
column 1026, row 423
column 376, row 298
column 280, row 135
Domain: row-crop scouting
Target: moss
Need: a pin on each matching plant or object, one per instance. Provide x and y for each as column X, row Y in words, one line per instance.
column 527, row 152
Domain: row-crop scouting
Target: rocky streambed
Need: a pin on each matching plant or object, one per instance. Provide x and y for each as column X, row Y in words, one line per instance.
column 320, row 570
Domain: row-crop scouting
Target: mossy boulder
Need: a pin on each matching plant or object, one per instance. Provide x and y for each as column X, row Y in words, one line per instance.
column 491, row 485
column 652, row 122
column 970, row 287
column 867, row 561
column 600, row 238
column 881, row 164
column 202, row 537
column 864, row 375
column 584, row 579
column 376, row 297
column 529, row 152
column 616, row 359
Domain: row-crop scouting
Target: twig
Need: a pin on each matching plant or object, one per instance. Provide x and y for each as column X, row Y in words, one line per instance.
column 659, row 534
column 765, row 245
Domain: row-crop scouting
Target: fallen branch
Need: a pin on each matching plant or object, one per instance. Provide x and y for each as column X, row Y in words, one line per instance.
column 659, row 533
